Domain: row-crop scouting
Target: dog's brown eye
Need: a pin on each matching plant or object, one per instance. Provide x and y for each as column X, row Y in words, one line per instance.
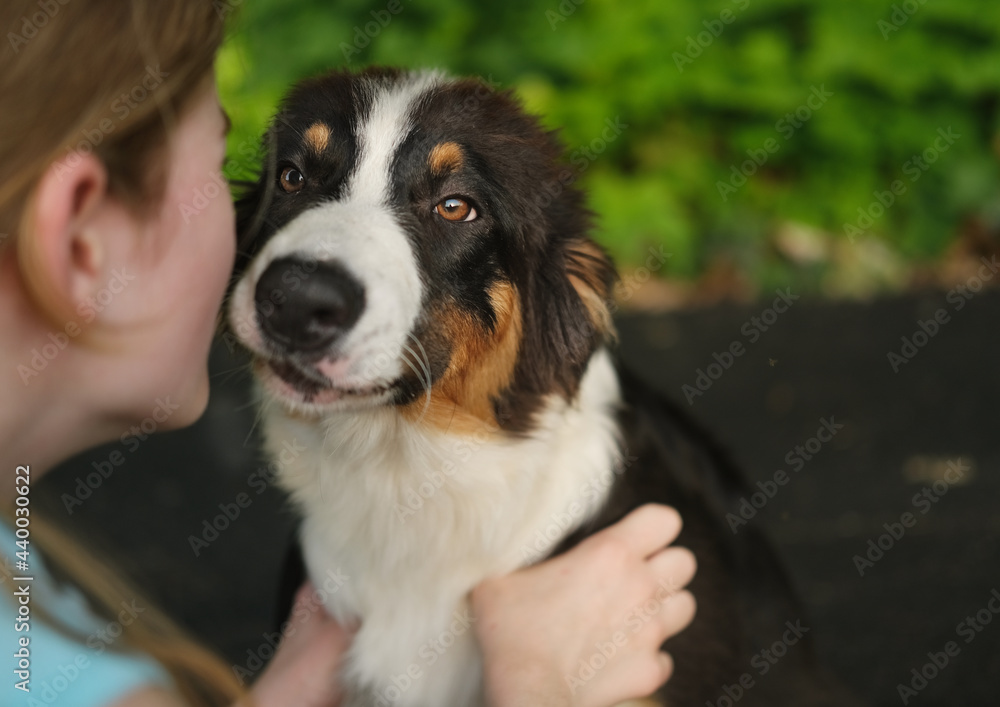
column 292, row 179
column 455, row 209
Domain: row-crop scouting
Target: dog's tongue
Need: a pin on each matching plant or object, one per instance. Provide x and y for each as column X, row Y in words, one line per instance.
column 302, row 379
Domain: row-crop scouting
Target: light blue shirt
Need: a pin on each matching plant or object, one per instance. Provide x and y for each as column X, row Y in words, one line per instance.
column 64, row 672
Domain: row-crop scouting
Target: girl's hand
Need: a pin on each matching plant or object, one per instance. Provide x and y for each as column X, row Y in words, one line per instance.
column 584, row 629
column 305, row 666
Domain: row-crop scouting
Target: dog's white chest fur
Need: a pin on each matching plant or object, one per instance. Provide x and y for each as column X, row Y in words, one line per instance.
column 412, row 520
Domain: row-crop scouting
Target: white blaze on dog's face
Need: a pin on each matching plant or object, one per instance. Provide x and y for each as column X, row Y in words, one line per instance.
column 412, row 243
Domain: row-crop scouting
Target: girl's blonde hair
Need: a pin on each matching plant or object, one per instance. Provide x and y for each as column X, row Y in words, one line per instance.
column 199, row 676
column 107, row 77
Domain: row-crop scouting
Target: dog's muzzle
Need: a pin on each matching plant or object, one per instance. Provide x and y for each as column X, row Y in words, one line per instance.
column 305, row 306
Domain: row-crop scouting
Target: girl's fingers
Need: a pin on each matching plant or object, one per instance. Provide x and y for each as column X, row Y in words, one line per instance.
column 626, row 677
column 673, row 567
column 663, row 615
column 648, row 529
column 676, row 613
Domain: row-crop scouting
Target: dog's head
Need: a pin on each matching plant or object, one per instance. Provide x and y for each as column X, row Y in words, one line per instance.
column 416, row 242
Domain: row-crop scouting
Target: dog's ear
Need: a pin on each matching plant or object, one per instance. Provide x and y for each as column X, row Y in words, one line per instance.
column 581, row 321
column 250, row 209
column 567, row 304
column 565, row 279
column 592, row 276
column 252, row 201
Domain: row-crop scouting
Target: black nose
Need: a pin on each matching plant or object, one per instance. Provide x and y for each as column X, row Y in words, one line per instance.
column 305, row 306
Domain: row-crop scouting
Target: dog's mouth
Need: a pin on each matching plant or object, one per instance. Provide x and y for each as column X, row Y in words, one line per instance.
column 298, row 382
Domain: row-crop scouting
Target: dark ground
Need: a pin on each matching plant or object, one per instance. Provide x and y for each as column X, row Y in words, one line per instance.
column 819, row 360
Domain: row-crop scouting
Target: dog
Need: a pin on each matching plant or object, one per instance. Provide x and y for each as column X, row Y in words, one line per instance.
column 429, row 318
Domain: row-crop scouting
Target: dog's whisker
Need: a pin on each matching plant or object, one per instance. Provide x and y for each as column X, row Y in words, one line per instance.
column 454, row 411
column 420, row 359
column 246, row 373
column 424, row 360
column 326, row 437
column 425, row 379
column 425, row 384
column 251, row 404
column 229, row 373
column 423, row 351
column 322, row 448
column 261, row 411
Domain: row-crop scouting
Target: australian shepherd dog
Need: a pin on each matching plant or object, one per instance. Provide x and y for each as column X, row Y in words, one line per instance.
column 429, row 319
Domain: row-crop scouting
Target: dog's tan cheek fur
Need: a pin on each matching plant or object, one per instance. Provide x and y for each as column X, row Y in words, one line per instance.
column 481, row 367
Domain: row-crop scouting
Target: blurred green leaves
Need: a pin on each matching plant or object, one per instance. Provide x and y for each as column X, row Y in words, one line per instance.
column 744, row 65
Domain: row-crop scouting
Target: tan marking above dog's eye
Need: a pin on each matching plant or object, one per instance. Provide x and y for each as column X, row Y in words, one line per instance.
column 292, row 179
column 446, row 157
column 318, row 136
column 456, row 209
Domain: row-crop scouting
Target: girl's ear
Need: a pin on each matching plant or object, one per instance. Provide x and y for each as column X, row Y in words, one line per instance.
column 69, row 249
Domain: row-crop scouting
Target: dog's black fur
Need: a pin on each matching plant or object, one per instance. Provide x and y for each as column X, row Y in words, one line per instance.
column 745, row 598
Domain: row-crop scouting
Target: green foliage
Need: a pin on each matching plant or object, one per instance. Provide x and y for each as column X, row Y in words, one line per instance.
column 697, row 106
